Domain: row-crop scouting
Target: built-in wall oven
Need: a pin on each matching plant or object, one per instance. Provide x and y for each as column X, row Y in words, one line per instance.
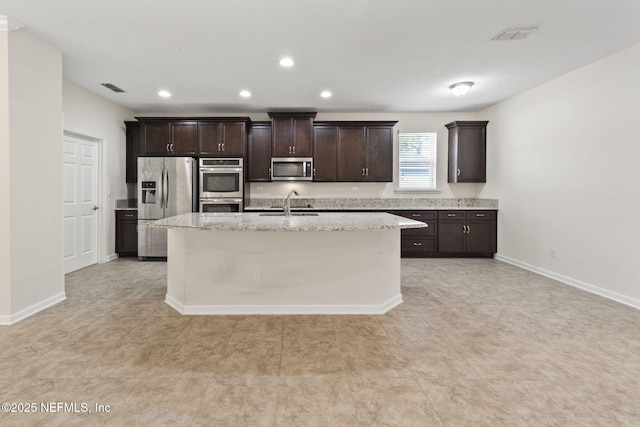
column 221, row 184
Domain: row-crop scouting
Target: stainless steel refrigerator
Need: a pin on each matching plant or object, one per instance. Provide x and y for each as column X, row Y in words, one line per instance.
column 166, row 187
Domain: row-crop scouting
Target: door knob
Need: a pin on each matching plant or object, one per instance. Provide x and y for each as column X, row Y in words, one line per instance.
column 95, row 208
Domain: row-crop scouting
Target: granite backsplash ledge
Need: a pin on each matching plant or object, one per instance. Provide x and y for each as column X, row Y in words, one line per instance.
column 376, row 203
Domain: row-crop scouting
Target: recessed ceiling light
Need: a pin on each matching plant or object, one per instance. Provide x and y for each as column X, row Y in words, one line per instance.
column 286, row 62
column 326, row 94
column 164, row 93
column 245, row 94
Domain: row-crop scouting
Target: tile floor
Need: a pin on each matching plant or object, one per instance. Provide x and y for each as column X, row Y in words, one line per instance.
column 476, row 342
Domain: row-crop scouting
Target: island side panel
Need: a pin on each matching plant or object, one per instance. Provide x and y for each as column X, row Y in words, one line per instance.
column 302, row 272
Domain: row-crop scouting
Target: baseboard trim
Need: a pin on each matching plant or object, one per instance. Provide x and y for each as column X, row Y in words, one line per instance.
column 614, row 296
column 30, row 311
column 281, row 309
column 111, row 257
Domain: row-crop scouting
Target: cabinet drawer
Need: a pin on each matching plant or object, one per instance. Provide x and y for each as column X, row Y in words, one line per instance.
column 418, row 215
column 417, row 244
column 126, row 214
column 452, row 214
column 430, row 230
column 488, row 215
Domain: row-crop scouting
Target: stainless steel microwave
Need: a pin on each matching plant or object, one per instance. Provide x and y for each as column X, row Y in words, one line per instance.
column 291, row 169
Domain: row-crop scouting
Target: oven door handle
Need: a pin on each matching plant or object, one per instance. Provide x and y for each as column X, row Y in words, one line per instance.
column 205, row 170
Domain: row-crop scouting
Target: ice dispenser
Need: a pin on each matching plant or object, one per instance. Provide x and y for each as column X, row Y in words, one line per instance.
column 149, row 192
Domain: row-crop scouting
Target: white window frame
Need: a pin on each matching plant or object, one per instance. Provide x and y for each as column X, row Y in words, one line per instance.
column 430, row 158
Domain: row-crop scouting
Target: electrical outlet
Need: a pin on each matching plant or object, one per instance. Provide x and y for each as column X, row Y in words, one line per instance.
column 257, row 275
column 552, row 253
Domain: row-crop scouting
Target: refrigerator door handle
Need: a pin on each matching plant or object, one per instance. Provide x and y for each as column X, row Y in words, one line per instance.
column 163, row 193
column 166, row 200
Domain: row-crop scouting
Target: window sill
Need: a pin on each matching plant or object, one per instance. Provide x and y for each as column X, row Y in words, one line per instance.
column 417, row 190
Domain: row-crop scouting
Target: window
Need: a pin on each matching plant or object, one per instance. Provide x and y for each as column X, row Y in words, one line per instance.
column 417, row 161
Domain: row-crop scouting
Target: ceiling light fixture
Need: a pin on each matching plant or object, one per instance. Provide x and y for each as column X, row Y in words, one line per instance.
column 461, row 88
column 164, row 94
column 286, row 62
column 245, row 94
column 326, row 94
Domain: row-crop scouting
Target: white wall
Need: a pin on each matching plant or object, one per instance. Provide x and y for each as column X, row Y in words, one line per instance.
column 563, row 161
column 91, row 115
column 5, row 183
column 35, row 175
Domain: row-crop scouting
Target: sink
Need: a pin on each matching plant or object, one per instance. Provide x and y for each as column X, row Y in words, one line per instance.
column 292, row 214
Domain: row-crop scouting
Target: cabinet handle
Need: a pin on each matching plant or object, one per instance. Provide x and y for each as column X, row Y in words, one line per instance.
column 167, row 149
column 219, row 146
column 416, row 215
column 294, row 150
column 269, row 171
column 450, row 214
column 172, row 147
column 223, row 146
column 417, row 244
column 480, row 215
column 367, row 169
column 458, row 172
column 314, row 171
column 362, row 171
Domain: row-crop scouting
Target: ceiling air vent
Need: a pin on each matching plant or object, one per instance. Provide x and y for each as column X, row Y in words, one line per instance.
column 112, row 87
column 514, row 33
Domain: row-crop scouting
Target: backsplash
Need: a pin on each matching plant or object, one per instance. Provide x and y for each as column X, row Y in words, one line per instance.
column 377, row 203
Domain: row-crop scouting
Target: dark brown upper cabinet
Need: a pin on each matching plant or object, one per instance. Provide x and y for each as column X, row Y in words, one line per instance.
column 292, row 134
column 325, row 153
column 169, row 138
column 467, row 151
column 222, row 139
column 365, row 151
column 259, row 159
column 133, row 146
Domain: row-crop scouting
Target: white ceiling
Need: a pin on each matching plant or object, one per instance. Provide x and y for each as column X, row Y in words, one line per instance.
column 374, row 55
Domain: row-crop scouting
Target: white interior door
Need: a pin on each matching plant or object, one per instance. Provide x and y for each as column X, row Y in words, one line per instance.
column 81, row 164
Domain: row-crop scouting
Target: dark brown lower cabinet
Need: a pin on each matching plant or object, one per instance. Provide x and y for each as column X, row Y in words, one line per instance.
column 419, row 242
column 470, row 232
column 127, row 233
column 457, row 233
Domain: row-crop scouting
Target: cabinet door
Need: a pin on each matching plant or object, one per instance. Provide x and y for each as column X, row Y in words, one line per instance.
column 467, row 151
column 379, row 154
column 325, row 148
column 156, row 139
column 127, row 232
column 259, row 166
column 234, row 138
column 451, row 236
column 209, row 139
column 133, row 146
column 351, row 153
column 185, row 138
column 481, row 231
column 282, row 134
column 302, row 136
column 472, row 156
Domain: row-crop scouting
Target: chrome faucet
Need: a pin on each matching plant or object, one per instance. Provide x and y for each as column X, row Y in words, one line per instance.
column 286, row 202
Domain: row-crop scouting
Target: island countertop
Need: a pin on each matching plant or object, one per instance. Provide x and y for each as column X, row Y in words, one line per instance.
column 250, row 221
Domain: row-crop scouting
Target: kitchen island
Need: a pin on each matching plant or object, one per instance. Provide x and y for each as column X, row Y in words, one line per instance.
column 268, row 263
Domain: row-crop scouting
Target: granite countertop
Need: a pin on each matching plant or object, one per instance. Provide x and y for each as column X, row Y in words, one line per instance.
column 325, row 221
column 363, row 204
